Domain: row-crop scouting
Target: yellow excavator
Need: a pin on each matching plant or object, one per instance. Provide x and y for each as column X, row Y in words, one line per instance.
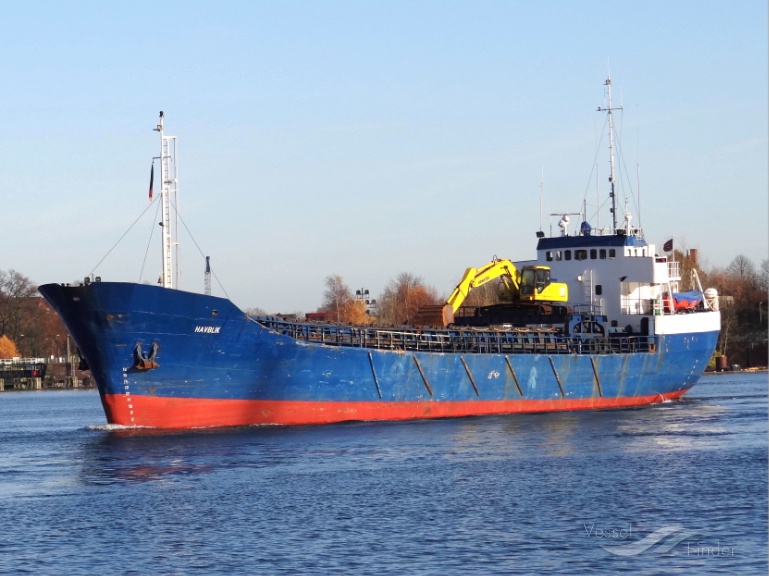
column 530, row 284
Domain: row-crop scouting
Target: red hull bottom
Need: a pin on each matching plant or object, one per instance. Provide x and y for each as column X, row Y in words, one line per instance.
column 176, row 413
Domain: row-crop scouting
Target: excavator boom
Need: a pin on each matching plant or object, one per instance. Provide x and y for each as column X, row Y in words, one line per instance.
column 476, row 277
column 533, row 285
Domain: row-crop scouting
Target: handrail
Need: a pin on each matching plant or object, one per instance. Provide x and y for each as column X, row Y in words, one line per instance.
column 465, row 341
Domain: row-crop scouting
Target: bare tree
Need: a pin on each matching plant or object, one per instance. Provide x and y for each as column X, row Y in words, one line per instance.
column 763, row 276
column 402, row 297
column 14, row 288
column 336, row 299
column 255, row 312
column 743, row 300
column 742, row 267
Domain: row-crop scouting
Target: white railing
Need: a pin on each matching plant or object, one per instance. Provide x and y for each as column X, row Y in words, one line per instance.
column 16, row 361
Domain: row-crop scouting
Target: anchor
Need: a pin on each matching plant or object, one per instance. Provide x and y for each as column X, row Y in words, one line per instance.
column 143, row 361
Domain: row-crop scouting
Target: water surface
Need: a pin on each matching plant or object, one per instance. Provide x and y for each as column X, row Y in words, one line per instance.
column 675, row 488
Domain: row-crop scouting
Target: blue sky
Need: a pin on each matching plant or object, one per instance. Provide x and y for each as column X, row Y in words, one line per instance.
column 367, row 139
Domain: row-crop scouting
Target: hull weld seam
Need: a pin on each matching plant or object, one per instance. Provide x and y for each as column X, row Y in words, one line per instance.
column 597, row 380
column 557, row 378
column 512, row 372
column 470, row 376
column 376, row 380
column 424, row 378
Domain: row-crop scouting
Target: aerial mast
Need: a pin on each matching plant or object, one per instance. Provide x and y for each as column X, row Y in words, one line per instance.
column 169, row 192
column 609, row 110
column 207, row 277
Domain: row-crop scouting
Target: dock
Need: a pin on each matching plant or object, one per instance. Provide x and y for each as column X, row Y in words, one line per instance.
column 40, row 374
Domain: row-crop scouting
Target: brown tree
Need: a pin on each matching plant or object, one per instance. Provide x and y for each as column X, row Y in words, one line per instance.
column 8, row 348
column 340, row 305
column 742, row 298
column 402, row 298
column 355, row 313
column 15, row 320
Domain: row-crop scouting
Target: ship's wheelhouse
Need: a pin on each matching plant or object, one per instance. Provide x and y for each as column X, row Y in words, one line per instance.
column 619, row 275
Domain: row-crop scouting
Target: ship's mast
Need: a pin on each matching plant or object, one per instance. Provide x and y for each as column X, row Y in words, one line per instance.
column 169, row 193
column 608, row 109
column 207, row 277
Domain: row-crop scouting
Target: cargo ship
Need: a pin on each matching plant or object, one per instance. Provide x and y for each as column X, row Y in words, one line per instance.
column 595, row 321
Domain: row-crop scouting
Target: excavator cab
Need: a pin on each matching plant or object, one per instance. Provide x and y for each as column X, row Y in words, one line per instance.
column 534, row 279
column 536, row 285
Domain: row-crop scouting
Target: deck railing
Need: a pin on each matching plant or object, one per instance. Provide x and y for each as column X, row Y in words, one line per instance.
column 472, row 341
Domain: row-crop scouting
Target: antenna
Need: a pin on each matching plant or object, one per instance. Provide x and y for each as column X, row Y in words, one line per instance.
column 207, row 277
column 638, row 186
column 168, row 189
column 608, row 109
column 541, row 194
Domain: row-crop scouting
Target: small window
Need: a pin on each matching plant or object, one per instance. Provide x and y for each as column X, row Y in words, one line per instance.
column 612, row 253
column 558, row 255
column 602, row 253
column 580, row 254
column 593, row 254
column 598, row 289
column 549, row 256
column 567, row 255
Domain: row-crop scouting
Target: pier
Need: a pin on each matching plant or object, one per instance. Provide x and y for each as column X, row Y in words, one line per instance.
column 40, row 374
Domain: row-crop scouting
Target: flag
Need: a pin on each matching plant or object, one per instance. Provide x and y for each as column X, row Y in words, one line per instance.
column 152, row 179
column 668, row 246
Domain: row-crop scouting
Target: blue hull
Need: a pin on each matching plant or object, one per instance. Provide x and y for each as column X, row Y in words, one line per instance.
column 212, row 365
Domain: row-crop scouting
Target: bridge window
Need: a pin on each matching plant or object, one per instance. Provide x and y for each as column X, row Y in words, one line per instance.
column 602, row 254
column 567, row 255
column 598, row 289
column 612, row 253
column 580, row 254
column 593, row 254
